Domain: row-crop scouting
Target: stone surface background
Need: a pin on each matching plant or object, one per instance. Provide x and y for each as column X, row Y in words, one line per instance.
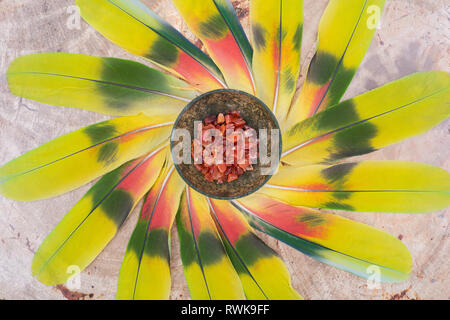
column 414, row 36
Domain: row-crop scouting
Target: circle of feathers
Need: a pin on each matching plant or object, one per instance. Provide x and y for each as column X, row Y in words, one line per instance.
column 222, row 255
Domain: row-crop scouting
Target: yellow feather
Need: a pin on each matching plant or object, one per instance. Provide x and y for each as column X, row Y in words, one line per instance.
column 368, row 186
column 106, row 85
column 74, row 159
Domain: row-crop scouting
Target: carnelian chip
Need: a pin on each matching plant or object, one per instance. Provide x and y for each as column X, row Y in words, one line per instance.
column 235, row 130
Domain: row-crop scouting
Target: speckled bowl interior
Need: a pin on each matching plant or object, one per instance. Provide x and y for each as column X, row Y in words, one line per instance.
column 257, row 116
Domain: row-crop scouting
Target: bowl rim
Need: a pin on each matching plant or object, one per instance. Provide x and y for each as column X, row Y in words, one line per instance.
column 201, row 96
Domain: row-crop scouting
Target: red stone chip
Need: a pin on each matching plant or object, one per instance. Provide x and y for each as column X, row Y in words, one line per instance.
column 227, row 147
